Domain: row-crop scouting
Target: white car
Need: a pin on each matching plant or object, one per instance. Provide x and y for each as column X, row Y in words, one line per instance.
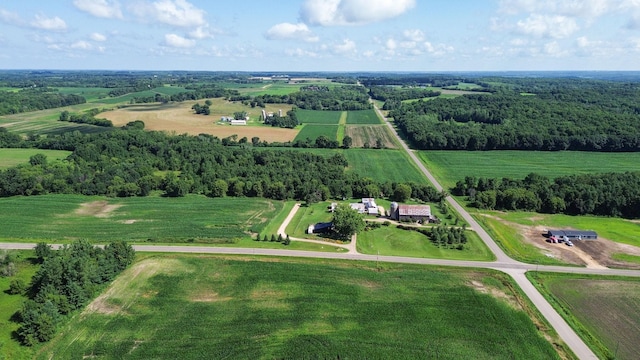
column 569, row 243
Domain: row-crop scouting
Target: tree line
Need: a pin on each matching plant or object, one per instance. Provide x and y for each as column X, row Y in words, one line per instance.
column 32, row 99
column 608, row 194
column 134, row 162
column 67, row 279
column 553, row 115
column 87, row 117
column 393, row 96
column 316, row 97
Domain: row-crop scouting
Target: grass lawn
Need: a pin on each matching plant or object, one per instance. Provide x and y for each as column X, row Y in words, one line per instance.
column 602, row 310
column 615, row 229
column 306, row 216
column 451, row 166
column 313, row 131
column 197, row 219
column 389, row 240
column 318, row 117
column 13, row 157
column 363, row 117
column 193, row 307
column 9, row 304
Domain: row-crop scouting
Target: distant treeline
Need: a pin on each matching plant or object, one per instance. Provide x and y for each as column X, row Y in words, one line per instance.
column 194, row 93
column 134, row 163
column 316, row 97
column 552, row 115
column 393, row 97
column 609, row 194
column 86, row 118
column 15, row 102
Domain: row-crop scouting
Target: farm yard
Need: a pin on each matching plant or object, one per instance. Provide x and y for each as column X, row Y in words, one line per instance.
column 603, row 310
column 240, row 307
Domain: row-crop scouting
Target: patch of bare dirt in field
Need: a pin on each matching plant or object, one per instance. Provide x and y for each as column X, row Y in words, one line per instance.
column 596, row 254
column 209, row 296
column 496, row 293
column 100, row 209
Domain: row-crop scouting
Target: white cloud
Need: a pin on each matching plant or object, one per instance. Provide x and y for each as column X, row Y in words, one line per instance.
column 11, row 18
column 100, row 8
column 414, row 35
column 81, row 45
column 547, row 26
column 201, row 32
column 45, row 23
column 288, row 31
column 390, row 44
column 300, row 53
column 179, row 13
column 352, row 12
column 347, row 46
column 555, row 50
column 437, row 49
column 574, row 8
column 177, row 41
column 98, row 37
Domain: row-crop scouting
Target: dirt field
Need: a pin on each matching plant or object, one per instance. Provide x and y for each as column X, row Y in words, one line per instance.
column 592, row 254
column 179, row 118
column 363, row 134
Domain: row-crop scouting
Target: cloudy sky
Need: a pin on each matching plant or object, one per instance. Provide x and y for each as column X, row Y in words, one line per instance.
column 322, row 35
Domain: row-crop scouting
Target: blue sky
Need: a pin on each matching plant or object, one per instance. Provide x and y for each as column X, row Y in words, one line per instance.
column 321, row 35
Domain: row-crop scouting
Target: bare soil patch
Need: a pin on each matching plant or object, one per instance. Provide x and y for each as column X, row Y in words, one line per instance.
column 100, row 209
column 496, row 293
column 209, row 296
column 179, row 118
column 595, row 254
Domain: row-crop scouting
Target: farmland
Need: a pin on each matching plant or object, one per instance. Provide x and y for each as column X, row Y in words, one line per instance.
column 242, row 307
column 313, row 131
column 363, row 117
column 451, row 166
column 318, row 117
column 368, row 135
column 383, row 165
column 604, row 311
column 13, row 157
column 67, row 217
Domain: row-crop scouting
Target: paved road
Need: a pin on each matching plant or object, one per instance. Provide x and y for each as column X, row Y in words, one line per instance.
column 562, row 328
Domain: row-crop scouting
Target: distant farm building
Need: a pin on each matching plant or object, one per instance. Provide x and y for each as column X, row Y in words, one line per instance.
column 320, row 228
column 420, row 213
column 238, row 122
column 366, row 206
column 572, row 234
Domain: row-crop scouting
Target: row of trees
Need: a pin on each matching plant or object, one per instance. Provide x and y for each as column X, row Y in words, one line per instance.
column 609, row 194
column 314, row 97
column 552, row 115
column 192, row 93
column 127, row 163
column 85, row 118
column 66, row 281
column 393, row 96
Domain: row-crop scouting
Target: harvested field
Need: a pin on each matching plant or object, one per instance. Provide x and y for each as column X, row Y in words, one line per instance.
column 179, row 118
column 362, row 135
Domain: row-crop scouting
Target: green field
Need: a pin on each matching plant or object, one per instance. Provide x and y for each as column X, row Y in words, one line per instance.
column 388, row 240
column 363, row 117
column 318, row 117
column 194, row 307
column 383, row 165
column 89, row 93
column 313, row 131
column 603, row 311
column 13, row 157
column 451, row 166
column 307, row 215
column 153, row 219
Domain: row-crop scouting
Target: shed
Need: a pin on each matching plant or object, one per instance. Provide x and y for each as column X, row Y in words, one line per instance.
column 414, row 212
column 320, row 228
column 238, row 122
column 573, row 234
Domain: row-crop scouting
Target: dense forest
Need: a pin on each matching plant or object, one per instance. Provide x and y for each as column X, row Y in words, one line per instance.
column 393, row 96
column 315, row 97
column 134, row 163
column 31, row 99
column 609, row 194
column 66, row 281
column 553, row 114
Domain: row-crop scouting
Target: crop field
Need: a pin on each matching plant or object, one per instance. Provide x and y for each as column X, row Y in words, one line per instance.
column 604, row 311
column 388, row 240
column 312, row 131
column 89, row 93
column 152, row 219
column 13, row 157
column 369, row 134
column 180, row 118
column 383, row 165
column 318, row 117
column 190, row 307
column 451, row 166
column 363, row 117
column 45, row 122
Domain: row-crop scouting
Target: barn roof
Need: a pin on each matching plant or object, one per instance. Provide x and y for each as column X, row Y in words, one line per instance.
column 572, row 233
column 414, row 210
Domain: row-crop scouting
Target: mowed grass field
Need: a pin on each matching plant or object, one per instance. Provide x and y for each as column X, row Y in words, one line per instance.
column 383, row 165
column 604, row 311
column 199, row 219
column 13, row 157
column 194, row 307
column 451, row 166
